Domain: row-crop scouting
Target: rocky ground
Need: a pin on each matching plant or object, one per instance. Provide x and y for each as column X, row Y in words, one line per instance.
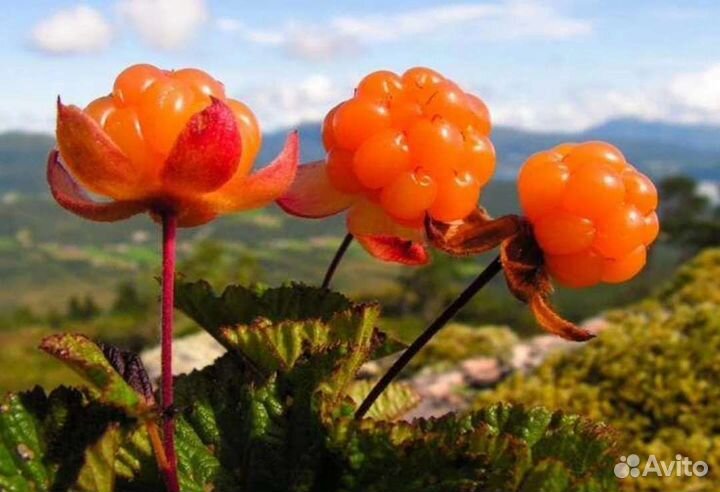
column 442, row 391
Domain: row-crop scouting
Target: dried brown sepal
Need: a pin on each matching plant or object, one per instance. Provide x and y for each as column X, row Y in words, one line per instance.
column 546, row 317
column 475, row 234
column 527, row 279
column 522, row 262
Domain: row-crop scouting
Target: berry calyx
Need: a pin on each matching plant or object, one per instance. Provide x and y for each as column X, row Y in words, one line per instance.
column 415, row 142
column 593, row 214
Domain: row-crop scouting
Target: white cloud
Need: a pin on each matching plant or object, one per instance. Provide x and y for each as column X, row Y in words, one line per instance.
column 289, row 104
column 165, row 24
column 574, row 112
column 80, row 29
column 509, row 19
column 305, row 41
column 699, row 91
column 692, row 97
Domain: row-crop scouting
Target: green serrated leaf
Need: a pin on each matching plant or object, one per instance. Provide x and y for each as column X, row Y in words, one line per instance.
column 135, row 461
column 98, row 471
column 87, row 359
column 244, row 306
column 485, row 450
column 44, row 439
column 270, row 347
column 239, row 305
column 547, row 476
column 23, row 449
column 397, row 400
column 276, row 347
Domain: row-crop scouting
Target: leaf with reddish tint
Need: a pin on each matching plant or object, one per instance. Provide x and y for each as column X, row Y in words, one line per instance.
column 395, row 249
column 262, row 187
column 473, row 235
column 73, row 198
column 88, row 360
column 131, row 368
column 312, row 195
column 207, row 151
column 93, row 158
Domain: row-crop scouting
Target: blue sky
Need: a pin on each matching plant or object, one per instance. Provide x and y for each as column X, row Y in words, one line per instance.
column 542, row 65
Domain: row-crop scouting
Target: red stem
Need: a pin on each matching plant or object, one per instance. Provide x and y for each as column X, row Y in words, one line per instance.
column 169, row 233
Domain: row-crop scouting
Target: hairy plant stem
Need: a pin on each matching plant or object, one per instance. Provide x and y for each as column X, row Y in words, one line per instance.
column 169, row 237
column 336, row 260
column 481, row 281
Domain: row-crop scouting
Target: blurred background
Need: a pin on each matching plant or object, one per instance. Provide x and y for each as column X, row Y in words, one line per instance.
column 644, row 75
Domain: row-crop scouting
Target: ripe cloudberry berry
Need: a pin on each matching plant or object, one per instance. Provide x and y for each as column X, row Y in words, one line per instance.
column 404, row 146
column 401, row 127
column 593, row 214
column 165, row 142
column 149, row 107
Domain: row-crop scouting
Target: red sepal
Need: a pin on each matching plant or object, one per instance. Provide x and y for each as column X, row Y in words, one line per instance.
column 206, row 153
column 395, row 249
column 312, row 195
column 72, row 197
column 262, row 187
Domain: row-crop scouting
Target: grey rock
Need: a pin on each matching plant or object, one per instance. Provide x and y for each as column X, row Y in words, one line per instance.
column 370, row 370
column 438, row 386
column 482, row 371
column 191, row 352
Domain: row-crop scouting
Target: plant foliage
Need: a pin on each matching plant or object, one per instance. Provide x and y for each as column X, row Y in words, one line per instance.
column 276, row 414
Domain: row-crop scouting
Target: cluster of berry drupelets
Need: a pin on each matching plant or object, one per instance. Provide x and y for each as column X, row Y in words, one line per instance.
column 593, row 214
column 414, row 143
column 149, row 107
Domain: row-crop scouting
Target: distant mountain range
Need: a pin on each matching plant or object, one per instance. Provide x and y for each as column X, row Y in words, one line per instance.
column 656, row 148
column 22, row 161
column 702, row 137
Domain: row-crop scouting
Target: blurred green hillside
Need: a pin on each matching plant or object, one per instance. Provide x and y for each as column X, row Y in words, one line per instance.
column 658, row 149
column 59, row 272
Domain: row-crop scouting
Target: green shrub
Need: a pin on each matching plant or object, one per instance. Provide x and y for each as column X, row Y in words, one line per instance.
column 653, row 376
column 697, row 282
column 457, row 342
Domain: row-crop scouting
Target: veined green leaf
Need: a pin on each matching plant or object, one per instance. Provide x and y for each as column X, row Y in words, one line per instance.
column 87, row 359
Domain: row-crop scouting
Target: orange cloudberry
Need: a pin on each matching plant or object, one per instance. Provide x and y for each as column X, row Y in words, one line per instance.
column 405, row 146
column 164, row 141
column 593, row 214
